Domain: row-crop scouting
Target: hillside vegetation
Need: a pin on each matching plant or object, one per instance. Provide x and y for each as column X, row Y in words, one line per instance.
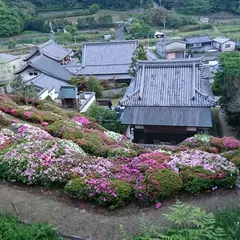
column 49, row 146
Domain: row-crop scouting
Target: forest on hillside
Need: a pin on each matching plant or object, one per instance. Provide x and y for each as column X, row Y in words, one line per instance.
column 19, row 15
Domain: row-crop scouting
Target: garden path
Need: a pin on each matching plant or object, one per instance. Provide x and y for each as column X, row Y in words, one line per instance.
column 68, row 219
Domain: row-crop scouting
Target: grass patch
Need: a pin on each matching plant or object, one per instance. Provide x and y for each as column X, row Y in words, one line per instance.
column 12, row 229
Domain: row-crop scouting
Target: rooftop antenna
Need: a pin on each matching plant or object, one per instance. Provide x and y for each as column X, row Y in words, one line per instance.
column 51, row 31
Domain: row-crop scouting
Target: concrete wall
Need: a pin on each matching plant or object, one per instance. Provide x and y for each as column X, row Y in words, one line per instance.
column 25, row 74
column 231, row 48
column 111, row 92
column 89, row 104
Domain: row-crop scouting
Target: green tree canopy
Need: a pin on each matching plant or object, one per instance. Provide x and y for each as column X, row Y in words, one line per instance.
column 10, row 22
column 227, row 85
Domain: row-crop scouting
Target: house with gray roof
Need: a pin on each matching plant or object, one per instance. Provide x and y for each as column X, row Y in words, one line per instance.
column 107, row 60
column 42, row 64
column 224, row 44
column 45, row 73
column 197, row 42
column 171, row 49
column 170, row 101
column 50, row 50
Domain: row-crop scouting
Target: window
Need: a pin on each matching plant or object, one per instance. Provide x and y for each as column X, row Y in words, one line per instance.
column 30, row 74
column 35, row 74
column 227, row 45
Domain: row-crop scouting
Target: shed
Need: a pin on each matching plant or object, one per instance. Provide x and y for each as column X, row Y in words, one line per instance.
column 68, row 95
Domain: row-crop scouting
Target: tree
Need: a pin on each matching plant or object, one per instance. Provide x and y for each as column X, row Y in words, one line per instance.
column 108, row 119
column 71, row 28
column 10, row 22
column 156, row 16
column 227, row 85
column 93, row 85
column 139, row 29
column 105, row 21
column 23, row 89
column 94, row 8
column 139, row 54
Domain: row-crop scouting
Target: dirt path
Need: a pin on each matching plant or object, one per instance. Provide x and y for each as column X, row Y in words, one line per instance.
column 83, row 223
column 226, row 129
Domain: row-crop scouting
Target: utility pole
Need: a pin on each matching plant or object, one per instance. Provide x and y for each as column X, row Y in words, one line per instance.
column 164, row 23
column 51, row 31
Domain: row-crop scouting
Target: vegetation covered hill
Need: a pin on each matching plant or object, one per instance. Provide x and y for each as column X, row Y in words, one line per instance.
column 70, row 150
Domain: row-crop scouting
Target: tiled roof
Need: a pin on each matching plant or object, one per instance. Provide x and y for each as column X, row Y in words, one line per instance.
column 49, row 67
column 177, row 83
column 168, row 116
column 221, row 39
column 110, row 53
column 197, row 39
column 47, row 82
column 52, row 50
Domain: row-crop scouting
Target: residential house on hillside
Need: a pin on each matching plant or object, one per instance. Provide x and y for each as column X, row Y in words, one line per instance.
column 8, row 64
column 224, row 44
column 171, row 49
column 52, row 51
column 106, row 60
column 45, row 73
column 197, row 42
column 169, row 102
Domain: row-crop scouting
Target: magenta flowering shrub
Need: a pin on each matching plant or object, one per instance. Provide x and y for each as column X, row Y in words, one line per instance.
column 206, row 142
column 29, row 132
column 104, row 191
column 230, row 143
column 81, row 119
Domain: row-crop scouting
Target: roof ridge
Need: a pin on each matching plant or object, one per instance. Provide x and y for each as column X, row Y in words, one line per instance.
column 110, row 42
column 174, row 61
column 206, row 97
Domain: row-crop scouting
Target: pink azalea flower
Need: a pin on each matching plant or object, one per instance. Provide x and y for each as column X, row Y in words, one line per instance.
column 158, row 205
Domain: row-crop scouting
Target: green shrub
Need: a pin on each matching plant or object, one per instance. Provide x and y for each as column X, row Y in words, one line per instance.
column 196, row 179
column 67, row 129
column 49, row 117
column 51, row 108
column 107, row 192
column 3, row 119
column 93, row 144
column 233, row 156
column 12, row 229
column 160, row 183
column 122, row 152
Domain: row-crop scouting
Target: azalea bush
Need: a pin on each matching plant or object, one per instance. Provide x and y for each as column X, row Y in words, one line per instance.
column 157, row 184
column 41, row 161
column 104, row 191
column 208, row 142
column 123, row 152
column 209, row 161
column 67, row 129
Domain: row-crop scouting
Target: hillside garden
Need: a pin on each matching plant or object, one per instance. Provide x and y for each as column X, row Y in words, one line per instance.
column 50, row 146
